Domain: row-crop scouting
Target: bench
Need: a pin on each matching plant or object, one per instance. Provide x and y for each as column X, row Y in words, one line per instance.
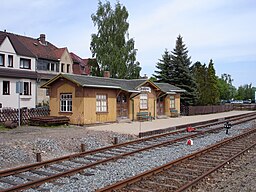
column 141, row 116
column 174, row 113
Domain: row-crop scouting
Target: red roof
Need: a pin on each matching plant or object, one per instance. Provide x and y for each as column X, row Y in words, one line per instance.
column 32, row 47
column 80, row 66
column 59, row 52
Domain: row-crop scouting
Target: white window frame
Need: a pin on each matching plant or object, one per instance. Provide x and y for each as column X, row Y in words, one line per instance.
column 143, row 101
column 25, row 63
column 10, row 60
column 27, row 88
column 101, row 103
column 52, row 66
column 6, row 87
column 65, row 102
column 2, row 59
column 172, row 102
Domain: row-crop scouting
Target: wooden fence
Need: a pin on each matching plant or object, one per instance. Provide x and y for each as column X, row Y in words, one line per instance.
column 200, row 110
column 248, row 107
column 25, row 114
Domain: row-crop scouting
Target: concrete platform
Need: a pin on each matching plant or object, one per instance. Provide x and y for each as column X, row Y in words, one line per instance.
column 136, row 127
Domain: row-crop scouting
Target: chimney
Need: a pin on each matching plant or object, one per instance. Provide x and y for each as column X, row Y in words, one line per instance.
column 42, row 39
column 107, row 74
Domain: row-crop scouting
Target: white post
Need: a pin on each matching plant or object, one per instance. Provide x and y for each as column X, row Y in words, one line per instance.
column 19, row 107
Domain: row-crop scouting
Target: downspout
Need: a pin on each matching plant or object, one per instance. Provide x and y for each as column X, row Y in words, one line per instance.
column 132, row 109
column 155, row 108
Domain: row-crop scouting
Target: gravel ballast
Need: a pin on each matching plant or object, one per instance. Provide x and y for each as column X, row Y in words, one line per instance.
column 60, row 141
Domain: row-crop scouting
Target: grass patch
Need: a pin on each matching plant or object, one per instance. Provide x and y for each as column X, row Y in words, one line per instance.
column 2, row 128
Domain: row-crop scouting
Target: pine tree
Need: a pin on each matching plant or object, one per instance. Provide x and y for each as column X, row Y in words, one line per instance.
column 213, row 94
column 199, row 72
column 163, row 67
column 180, row 75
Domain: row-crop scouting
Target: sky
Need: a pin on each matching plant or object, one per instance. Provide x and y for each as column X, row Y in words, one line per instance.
column 221, row 30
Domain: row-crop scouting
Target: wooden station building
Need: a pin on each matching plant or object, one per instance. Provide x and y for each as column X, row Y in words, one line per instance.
column 89, row 99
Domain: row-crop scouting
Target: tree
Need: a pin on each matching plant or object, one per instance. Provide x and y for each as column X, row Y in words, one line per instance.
column 111, row 45
column 226, row 89
column 199, row 73
column 245, row 92
column 212, row 87
column 163, row 66
column 180, row 74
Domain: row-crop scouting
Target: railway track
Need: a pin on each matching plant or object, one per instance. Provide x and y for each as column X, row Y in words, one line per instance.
column 185, row 172
column 33, row 175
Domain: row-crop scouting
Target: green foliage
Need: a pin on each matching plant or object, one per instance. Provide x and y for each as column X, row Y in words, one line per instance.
column 180, row 74
column 199, row 72
column 212, row 87
column 153, row 79
column 207, row 83
column 163, row 66
column 245, row 92
column 111, row 45
column 95, row 68
column 226, row 89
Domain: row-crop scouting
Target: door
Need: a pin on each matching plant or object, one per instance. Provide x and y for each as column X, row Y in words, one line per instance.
column 122, row 106
column 160, row 106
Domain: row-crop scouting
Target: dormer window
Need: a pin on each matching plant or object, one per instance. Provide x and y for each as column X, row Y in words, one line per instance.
column 25, row 63
column 62, row 67
column 10, row 61
column 1, row 59
column 52, row 67
column 68, row 68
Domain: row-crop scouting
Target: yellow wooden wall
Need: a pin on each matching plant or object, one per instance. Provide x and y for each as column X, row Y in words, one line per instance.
column 167, row 104
column 151, row 105
column 83, row 103
column 90, row 114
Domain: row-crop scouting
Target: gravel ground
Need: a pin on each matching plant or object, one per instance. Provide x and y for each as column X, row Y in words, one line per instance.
column 238, row 176
column 19, row 146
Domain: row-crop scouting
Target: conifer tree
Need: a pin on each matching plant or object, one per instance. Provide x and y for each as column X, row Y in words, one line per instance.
column 212, row 85
column 180, row 74
column 163, row 67
column 199, row 72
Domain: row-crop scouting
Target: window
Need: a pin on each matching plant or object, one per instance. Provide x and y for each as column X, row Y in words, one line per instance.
column 101, row 103
column 10, row 61
column 52, row 67
column 172, row 102
column 68, row 68
column 27, row 88
column 1, row 59
column 6, row 87
column 25, row 63
column 143, row 101
column 62, row 67
column 66, row 102
column 47, row 93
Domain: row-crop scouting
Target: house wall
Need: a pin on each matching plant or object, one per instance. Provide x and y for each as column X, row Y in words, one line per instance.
column 77, row 101
column 90, row 114
column 42, row 97
column 83, row 103
column 151, row 105
column 66, row 60
column 167, row 104
column 11, row 101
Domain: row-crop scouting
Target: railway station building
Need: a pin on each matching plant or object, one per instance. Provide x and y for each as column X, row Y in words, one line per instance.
column 90, row 100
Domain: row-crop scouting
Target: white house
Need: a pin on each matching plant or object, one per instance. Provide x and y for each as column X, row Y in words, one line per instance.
column 16, row 64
